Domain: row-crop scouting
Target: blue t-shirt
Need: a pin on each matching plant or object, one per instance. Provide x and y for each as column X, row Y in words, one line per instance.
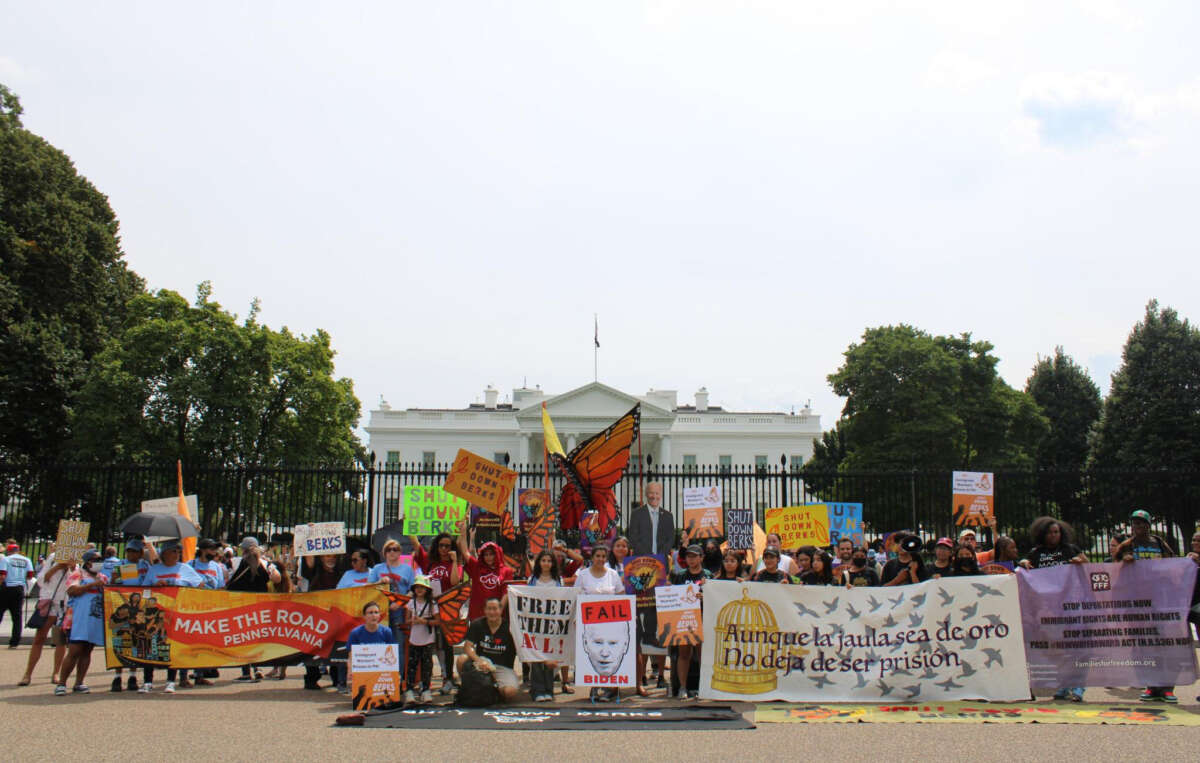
column 18, row 568
column 178, row 575
column 360, row 635
column 87, row 617
column 400, row 578
column 109, row 565
column 212, row 573
column 352, row 578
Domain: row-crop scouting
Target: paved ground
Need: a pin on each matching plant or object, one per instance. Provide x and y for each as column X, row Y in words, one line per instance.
column 274, row 720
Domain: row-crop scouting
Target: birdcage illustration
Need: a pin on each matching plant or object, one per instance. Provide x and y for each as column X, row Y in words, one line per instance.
column 745, row 675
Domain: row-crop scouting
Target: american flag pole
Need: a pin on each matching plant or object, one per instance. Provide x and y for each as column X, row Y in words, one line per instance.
column 596, row 348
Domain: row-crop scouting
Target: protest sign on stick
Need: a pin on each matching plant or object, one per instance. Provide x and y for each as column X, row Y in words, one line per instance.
column 739, row 529
column 318, row 538
column 680, row 622
column 974, row 498
column 429, row 510
column 702, row 512
column 799, row 525
column 480, row 481
column 605, row 641
column 71, row 541
column 374, row 675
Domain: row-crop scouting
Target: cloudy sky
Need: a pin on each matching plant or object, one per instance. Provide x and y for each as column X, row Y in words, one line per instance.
column 738, row 189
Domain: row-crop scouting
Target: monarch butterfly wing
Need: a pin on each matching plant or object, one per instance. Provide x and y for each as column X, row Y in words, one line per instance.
column 506, row 526
column 397, row 598
column 575, row 501
column 450, row 606
column 597, row 464
column 539, row 533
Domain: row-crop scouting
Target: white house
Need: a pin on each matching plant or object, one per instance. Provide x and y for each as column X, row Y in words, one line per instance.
column 699, row 434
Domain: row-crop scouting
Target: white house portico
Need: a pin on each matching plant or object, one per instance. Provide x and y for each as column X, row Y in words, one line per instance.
column 671, row 433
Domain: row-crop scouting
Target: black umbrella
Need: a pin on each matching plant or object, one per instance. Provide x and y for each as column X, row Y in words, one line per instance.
column 159, row 525
column 394, row 531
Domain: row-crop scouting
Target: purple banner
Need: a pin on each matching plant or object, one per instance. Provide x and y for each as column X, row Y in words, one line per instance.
column 1109, row 624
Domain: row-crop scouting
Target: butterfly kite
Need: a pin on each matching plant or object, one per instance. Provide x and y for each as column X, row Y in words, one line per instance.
column 450, row 606
column 536, row 538
column 593, row 468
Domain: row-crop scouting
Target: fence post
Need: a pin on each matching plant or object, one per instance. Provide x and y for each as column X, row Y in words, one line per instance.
column 370, row 495
column 783, row 477
column 913, row 497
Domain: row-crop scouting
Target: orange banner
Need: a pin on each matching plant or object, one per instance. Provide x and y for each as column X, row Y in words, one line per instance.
column 477, row 480
column 199, row 628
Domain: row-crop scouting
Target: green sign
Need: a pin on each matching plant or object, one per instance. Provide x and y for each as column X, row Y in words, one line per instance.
column 429, row 510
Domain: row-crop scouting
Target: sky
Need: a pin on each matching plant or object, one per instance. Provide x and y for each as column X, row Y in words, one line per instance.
column 736, row 189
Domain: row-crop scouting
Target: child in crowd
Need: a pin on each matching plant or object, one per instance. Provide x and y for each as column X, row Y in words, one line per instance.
column 423, row 614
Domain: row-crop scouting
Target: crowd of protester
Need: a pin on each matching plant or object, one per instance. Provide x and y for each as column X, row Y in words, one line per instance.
column 69, row 610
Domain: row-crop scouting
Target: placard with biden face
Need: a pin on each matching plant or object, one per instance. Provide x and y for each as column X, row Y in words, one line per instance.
column 605, row 641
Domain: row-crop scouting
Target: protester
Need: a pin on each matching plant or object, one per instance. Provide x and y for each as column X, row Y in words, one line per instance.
column 802, row 560
column 712, row 556
column 15, row 570
column 1053, row 547
column 135, row 555
column 1141, row 544
column 965, row 563
column 490, row 648
column 211, row 571
column 967, row 538
column 1114, row 543
column 84, row 586
column 1004, row 551
column 860, row 571
column 167, row 570
column 599, row 578
column 569, row 561
column 620, row 553
column 786, row 563
column 943, row 562
column 845, row 551
column 323, row 573
column 692, row 572
column 423, row 614
column 399, row 577
column 732, row 567
column 541, row 674
column 52, row 598
column 907, row 568
column 820, row 571
column 359, row 572
column 771, row 571
column 252, row 573
column 489, row 575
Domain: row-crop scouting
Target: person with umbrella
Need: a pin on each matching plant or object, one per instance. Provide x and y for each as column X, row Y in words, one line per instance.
column 167, row 570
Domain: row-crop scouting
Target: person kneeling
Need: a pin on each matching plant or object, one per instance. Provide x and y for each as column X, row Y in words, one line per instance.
column 489, row 648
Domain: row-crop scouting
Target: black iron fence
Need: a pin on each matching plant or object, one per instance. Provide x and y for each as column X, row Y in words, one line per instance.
column 265, row 501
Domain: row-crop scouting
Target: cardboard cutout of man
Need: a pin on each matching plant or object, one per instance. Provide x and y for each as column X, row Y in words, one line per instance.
column 652, row 527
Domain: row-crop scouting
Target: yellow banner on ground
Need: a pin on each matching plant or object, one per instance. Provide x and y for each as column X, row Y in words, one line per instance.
column 200, row 628
column 979, row 712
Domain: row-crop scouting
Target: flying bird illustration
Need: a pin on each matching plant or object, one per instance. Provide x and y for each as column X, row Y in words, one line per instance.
column 820, row 680
column 862, row 681
column 830, row 606
column 805, row 610
column 969, row 642
column 913, row 690
column 994, row 619
column 873, row 656
column 924, row 647
column 884, row 689
column 915, row 619
column 941, row 649
column 854, row 613
column 986, row 590
column 967, row 670
column 918, row 600
column 890, row 622
column 971, row 610
column 948, row 684
column 947, row 599
column 993, row 655
column 874, row 604
column 902, row 672
column 896, row 646
column 928, row 674
column 897, row 601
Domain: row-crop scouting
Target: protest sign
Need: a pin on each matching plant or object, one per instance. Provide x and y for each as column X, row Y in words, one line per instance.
column 482, row 519
column 642, row 574
column 200, row 628
column 1109, row 624
column 71, row 541
column 429, row 510
column 951, row 638
column 374, row 676
column 702, row 512
column 799, row 525
column 590, row 533
column 318, row 538
column 973, row 498
column 531, row 502
column 679, row 617
column 845, row 521
column 739, row 529
column 480, row 481
column 605, row 641
column 997, row 568
column 541, row 622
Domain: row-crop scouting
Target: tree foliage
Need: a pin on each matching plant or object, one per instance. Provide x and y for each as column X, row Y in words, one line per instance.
column 63, row 286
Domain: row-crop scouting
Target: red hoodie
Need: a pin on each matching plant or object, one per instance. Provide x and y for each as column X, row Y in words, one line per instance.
column 486, row 582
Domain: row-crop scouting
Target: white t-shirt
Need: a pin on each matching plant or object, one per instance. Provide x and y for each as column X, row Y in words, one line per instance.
column 53, row 585
column 785, row 563
column 610, row 582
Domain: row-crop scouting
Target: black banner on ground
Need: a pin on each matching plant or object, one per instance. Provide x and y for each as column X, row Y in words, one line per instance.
column 721, row 718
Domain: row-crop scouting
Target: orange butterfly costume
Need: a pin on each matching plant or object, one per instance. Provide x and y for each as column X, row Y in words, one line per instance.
column 450, row 606
column 593, row 468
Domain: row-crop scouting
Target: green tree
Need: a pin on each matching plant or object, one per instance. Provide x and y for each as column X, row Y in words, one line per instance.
column 1151, row 422
column 63, row 287
column 1071, row 402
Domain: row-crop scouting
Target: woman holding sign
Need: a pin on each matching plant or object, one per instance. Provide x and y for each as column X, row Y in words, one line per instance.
column 440, row 565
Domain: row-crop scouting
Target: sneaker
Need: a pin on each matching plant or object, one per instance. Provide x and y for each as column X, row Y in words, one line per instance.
column 1149, row 695
column 1169, row 697
column 693, row 694
column 426, row 697
column 1061, row 694
column 408, row 697
column 1077, row 695
column 60, row 690
column 131, row 684
column 82, row 689
column 202, row 681
column 146, row 688
column 545, row 698
column 257, row 676
column 568, row 688
column 184, row 683
column 170, row 689
column 448, row 688
column 116, row 684
column 247, row 679
column 343, row 689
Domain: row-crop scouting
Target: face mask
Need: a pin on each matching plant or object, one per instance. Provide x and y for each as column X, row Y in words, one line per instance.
column 965, row 564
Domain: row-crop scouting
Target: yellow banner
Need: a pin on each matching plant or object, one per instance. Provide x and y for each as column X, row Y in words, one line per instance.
column 199, row 628
column 978, row 712
column 799, row 525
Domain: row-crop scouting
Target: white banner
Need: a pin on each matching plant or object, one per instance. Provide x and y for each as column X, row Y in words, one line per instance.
column 605, row 641
column 946, row 639
column 316, row 538
column 542, row 622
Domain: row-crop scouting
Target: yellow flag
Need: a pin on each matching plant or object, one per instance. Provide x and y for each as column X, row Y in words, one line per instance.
column 189, row 544
column 550, row 436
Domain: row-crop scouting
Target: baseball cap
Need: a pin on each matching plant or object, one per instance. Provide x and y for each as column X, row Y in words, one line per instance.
column 249, row 542
column 170, row 545
column 12, row 547
column 771, row 551
column 135, row 544
column 1140, row 514
column 694, row 549
column 945, row 542
column 208, row 543
column 90, row 555
column 965, row 533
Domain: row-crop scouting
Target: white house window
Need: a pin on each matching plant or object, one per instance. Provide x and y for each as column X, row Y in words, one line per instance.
column 760, row 464
column 726, row 463
column 498, row 457
column 393, row 458
column 427, row 458
column 689, row 462
column 797, row 462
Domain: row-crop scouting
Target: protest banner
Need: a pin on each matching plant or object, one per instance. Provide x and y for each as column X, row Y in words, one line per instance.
column 1109, row 624
column 642, row 574
column 531, row 502
column 542, row 623
column 977, row 712
column 974, row 498
column 739, row 529
column 680, row 622
column 997, row 568
column 374, row 676
column 200, row 628
column 702, row 513
column 429, row 510
column 480, row 481
column 318, row 538
column 845, row 521
column 71, row 541
column 951, row 638
column 799, row 525
column 605, row 641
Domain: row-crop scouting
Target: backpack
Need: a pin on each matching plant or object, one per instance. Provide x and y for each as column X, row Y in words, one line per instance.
column 476, row 688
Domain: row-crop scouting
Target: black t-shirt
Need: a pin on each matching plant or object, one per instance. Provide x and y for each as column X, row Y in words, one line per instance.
column 498, row 647
column 683, row 577
column 762, row 576
column 893, row 568
column 867, row 576
column 1041, row 556
column 945, row 572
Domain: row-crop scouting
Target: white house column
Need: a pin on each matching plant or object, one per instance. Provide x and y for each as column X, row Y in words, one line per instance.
column 664, row 450
column 523, row 448
column 570, row 442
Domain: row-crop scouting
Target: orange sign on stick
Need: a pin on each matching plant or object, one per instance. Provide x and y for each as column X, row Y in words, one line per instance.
column 480, row 481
